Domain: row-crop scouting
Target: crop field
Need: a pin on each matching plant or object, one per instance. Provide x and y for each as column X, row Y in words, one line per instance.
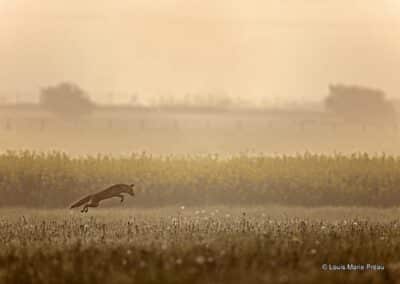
column 270, row 244
column 305, row 218
column 54, row 179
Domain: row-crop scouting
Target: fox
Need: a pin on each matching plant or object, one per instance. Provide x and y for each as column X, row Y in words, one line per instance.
column 93, row 200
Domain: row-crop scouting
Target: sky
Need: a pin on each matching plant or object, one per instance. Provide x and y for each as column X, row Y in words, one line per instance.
column 275, row 49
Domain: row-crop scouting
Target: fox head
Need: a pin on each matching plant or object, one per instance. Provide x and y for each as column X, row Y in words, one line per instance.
column 130, row 190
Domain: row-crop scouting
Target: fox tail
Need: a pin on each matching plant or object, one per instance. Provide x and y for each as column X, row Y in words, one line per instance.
column 81, row 202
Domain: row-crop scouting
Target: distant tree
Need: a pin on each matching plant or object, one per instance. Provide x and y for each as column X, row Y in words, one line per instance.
column 359, row 103
column 66, row 99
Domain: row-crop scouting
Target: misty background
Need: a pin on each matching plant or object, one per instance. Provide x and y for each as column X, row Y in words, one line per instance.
column 200, row 76
column 279, row 51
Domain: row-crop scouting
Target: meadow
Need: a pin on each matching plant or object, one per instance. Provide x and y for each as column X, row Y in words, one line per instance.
column 270, row 244
column 201, row 219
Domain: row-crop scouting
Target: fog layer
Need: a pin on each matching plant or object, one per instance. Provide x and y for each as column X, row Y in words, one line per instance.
column 278, row 49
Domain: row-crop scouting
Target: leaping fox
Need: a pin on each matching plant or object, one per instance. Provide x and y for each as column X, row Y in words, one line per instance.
column 93, row 200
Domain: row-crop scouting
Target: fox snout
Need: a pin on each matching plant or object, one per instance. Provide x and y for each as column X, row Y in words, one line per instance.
column 131, row 192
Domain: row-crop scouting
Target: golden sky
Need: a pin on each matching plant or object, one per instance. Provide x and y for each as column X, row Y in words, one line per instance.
column 289, row 49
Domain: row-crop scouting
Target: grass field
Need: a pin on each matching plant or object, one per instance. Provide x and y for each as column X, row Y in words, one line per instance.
column 201, row 219
column 54, row 179
column 199, row 245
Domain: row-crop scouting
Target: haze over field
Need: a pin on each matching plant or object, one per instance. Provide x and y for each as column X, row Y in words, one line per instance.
column 199, row 141
column 278, row 49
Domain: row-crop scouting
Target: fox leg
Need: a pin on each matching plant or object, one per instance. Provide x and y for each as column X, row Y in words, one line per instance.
column 91, row 204
column 85, row 208
column 120, row 196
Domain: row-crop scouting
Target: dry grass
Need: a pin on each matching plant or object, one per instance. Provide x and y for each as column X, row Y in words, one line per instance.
column 198, row 245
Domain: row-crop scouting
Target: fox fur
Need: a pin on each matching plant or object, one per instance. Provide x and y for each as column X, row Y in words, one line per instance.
column 93, row 200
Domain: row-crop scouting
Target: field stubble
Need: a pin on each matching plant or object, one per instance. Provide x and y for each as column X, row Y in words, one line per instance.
column 198, row 245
